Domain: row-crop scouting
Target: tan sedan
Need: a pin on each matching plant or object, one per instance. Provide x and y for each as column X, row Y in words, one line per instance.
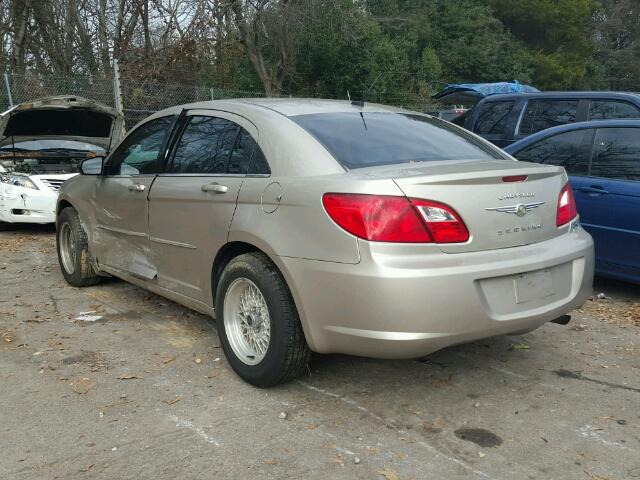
column 327, row 226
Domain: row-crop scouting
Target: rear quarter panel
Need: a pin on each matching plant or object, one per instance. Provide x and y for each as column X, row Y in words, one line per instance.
column 298, row 225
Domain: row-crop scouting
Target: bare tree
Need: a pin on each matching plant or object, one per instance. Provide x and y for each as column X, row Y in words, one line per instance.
column 266, row 31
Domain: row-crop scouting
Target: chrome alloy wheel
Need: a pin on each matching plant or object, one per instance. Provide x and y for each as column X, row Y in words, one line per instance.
column 246, row 321
column 68, row 248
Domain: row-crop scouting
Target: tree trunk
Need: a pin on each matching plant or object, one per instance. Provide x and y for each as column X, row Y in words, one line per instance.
column 21, row 13
column 271, row 78
column 103, row 37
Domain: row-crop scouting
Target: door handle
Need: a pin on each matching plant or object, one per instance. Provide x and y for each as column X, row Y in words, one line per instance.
column 137, row 187
column 593, row 189
column 215, row 188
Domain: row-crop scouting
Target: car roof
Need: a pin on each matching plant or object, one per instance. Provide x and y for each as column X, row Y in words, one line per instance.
column 303, row 106
column 549, row 132
column 561, row 95
column 287, row 107
column 271, row 117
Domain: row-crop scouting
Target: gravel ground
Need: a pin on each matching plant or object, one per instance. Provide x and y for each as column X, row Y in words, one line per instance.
column 145, row 392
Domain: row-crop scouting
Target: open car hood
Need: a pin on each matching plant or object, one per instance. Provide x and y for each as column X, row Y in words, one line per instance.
column 64, row 117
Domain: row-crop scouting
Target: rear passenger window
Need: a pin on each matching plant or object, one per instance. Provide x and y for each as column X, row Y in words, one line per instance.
column 569, row 150
column 205, row 146
column 241, row 154
column 608, row 109
column 542, row 114
column 259, row 165
column 617, row 154
column 492, row 119
column 247, row 156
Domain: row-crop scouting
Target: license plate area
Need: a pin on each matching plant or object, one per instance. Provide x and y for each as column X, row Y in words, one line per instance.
column 535, row 285
column 526, row 291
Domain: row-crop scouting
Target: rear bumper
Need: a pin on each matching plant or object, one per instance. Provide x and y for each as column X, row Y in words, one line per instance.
column 391, row 307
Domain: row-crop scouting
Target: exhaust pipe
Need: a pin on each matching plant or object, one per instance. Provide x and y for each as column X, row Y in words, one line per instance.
column 563, row 320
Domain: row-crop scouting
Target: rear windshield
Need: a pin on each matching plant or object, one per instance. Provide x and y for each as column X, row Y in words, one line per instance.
column 366, row 139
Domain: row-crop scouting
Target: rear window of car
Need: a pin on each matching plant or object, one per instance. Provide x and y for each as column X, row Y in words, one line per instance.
column 608, row 109
column 542, row 114
column 366, row 139
column 617, row 154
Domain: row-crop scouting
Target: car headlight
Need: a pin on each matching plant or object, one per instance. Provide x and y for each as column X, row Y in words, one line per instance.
column 18, row 180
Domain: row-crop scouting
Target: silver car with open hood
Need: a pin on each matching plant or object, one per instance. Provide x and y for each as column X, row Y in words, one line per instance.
column 327, row 226
column 42, row 143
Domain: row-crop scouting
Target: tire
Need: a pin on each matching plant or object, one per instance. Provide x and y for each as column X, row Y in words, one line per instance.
column 75, row 266
column 287, row 352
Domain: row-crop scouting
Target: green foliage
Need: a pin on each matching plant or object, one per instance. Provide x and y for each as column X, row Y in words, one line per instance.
column 378, row 47
column 616, row 62
column 343, row 50
column 556, row 37
column 431, row 66
column 474, row 45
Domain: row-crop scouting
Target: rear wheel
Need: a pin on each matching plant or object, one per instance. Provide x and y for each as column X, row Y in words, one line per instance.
column 73, row 250
column 258, row 322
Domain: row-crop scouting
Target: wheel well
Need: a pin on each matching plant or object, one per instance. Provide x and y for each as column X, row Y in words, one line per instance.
column 224, row 256
column 62, row 205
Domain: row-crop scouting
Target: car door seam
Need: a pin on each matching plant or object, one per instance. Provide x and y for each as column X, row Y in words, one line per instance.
column 235, row 208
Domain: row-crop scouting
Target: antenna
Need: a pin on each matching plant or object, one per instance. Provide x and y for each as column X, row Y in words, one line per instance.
column 363, row 122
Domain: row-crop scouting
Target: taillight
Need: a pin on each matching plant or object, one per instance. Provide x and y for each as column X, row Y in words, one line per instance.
column 442, row 221
column 386, row 218
column 567, row 210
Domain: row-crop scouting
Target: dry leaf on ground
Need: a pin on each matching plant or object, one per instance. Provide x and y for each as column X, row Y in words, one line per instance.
column 442, row 382
column 82, row 385
column 389, row 474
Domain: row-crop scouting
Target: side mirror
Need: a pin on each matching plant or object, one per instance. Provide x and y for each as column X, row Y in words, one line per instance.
column 92, row 166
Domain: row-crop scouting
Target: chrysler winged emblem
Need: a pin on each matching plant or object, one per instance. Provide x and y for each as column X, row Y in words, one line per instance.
column 520, row 209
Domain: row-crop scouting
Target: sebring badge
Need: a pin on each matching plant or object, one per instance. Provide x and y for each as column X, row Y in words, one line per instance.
column 520, row 209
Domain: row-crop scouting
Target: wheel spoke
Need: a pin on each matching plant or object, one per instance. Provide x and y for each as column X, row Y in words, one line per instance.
column 247, row 321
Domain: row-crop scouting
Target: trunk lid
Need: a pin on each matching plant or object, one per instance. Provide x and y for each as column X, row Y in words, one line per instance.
column 498, row 214
column 62, row 118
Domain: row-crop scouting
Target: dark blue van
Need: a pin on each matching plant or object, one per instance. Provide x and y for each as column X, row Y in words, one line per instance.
column 504, row 119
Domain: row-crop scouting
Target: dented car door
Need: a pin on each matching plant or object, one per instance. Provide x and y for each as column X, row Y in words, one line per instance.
column 121, row 199
column 192, row 204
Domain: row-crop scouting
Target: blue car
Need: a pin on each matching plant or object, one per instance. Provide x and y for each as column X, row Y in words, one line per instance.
column 602, row 159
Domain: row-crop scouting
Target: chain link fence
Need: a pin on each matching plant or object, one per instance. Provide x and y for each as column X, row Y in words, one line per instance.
column 141, row 98
column 22, row 88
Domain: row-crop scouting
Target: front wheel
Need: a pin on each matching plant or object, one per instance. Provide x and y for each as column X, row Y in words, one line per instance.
column 73, row 250
column 258, row 322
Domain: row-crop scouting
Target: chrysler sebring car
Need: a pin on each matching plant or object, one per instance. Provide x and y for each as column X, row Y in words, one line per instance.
column 325, row 226
column 42, row 143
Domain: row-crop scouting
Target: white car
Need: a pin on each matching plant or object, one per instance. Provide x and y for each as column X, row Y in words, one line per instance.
column 41, row 144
